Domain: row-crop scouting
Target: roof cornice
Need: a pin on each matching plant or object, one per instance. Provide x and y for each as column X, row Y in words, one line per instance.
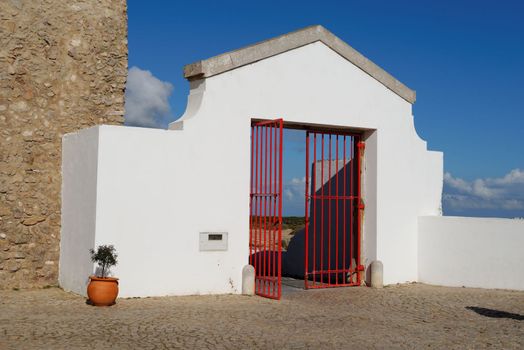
column 262, row 50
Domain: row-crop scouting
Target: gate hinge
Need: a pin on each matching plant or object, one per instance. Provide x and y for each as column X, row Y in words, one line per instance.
column 361, row 268
column 361, row 145
column 361, row 206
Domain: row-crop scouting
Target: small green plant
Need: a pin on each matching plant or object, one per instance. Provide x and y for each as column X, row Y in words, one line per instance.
column 105, row 256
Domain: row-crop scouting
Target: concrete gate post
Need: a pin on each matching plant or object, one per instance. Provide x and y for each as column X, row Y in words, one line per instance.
column 248, row 280
column 377, row 273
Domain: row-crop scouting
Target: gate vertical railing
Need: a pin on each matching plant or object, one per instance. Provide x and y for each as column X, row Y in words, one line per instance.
column 333, row 209
column 265, row 219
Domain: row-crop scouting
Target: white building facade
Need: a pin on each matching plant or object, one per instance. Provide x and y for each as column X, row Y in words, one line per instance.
column 152, row 193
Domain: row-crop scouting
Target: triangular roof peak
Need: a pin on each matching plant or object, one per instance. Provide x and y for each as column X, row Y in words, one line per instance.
column 262, row 50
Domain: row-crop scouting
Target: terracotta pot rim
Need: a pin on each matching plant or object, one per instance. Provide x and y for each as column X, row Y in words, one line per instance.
column 103, row 279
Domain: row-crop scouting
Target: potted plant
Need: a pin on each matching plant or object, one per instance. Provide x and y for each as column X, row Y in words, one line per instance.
column 103, row 290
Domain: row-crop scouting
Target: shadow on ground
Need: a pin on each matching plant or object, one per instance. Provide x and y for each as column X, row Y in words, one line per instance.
column 495, row 313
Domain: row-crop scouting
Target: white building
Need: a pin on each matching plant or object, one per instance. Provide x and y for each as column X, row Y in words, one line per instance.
column 176, row 203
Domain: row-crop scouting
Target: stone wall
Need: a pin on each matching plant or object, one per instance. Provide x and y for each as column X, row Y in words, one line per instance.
column 63, row 67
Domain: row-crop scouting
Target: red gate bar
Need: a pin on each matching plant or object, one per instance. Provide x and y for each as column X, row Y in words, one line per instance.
column 333, row 209
column 265, row 218
column 361, row 147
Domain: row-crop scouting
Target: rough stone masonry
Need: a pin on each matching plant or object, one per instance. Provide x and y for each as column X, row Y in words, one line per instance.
column 63, row 67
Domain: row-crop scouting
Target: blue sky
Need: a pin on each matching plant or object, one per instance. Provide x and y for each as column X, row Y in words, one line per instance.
column 464, row 59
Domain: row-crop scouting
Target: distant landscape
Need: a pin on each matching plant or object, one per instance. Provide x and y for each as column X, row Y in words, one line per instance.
column 290, row 226
column 294, row 223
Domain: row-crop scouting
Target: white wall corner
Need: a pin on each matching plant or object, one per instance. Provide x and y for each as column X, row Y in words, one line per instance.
column 79, row 197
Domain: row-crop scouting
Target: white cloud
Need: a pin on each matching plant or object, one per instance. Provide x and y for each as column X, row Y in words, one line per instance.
column 146, row 101
column 293, row 196
column 502, row 194
column 294, row 189
column 515, row 176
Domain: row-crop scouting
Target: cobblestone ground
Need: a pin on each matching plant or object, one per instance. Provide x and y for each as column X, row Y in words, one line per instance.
column 405, row 316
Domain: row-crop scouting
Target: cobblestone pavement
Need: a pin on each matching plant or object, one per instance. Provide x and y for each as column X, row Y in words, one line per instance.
column 404, row 316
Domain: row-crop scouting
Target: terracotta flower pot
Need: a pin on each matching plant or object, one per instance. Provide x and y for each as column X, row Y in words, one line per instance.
column 102, row 291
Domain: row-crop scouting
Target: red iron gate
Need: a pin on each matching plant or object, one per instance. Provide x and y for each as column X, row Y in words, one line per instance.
column 333, row 209
column 265, row 218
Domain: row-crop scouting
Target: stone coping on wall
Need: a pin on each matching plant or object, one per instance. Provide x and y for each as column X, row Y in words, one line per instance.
column 268, row 48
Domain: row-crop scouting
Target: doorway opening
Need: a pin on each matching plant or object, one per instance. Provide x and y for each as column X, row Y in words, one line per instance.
column 322, row 247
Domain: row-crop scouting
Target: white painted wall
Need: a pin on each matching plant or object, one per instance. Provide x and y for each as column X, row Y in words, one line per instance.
column 151, row 208
column 79, row 185
column 315, row 85
column 157, row 189
column 471, row 252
